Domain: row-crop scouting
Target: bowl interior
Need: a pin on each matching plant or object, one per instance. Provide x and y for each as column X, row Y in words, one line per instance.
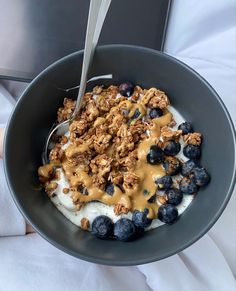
column 189, row 93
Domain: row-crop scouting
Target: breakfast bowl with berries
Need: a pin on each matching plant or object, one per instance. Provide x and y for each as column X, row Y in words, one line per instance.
column 143, row 171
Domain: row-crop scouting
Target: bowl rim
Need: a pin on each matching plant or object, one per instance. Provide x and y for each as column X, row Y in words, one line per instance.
column 118, row 262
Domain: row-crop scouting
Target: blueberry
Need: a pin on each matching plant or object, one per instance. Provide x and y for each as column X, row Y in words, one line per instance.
column 155, row 155
column 152, row 199
column 126, row 89
column 135, row 116
column 155, row 113
column 188, row 186
column 109, row 188
column 124, row 229
column 102, row 226
column 172, row 166
column 164, row 183
column 201, row 176
column 172, row 148
column 174, row 196
column 192, row 151
column 167, row 213
column 187, row 167
column 140, row 219
column 186, row 127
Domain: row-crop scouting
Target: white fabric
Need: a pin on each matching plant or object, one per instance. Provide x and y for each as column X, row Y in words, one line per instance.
column 6, row 105
column 11, row 221
column 29, row 263
column 203, row 35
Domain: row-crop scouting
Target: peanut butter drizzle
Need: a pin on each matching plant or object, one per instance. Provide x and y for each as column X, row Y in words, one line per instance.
column 47, row 170
column 148, row 173
column 137, row 197
column 73, row 149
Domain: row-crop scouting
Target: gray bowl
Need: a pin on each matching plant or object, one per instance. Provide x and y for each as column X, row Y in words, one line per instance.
column 189, row 93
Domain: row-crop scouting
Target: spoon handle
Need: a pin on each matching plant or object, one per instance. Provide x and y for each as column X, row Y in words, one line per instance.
column 97, row 13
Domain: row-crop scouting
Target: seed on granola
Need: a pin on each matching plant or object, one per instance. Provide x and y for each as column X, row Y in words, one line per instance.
column 66, row 190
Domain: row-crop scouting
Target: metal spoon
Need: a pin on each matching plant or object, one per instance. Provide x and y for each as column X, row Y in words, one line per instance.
column 97, row 13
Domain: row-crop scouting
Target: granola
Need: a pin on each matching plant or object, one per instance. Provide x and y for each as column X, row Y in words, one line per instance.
column 66, row 111
column 114, row 152
column 169, row 134
column 119, row 209
column 85, row 223
column 193, row 138
column 105, row 142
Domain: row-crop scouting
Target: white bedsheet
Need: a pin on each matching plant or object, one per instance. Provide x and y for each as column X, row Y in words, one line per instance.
column 203, row 35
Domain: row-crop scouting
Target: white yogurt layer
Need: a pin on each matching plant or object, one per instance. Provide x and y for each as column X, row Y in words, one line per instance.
column 91, row 210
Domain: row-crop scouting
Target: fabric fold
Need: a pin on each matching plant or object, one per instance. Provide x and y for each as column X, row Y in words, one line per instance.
column 200, row 267
column 40, row 266
column 11, row 221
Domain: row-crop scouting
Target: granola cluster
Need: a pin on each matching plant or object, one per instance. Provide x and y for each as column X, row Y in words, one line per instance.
column 194, row 138
column 66, row 111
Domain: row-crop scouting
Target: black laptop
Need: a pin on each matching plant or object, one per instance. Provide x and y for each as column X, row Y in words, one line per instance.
column 35, row 33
